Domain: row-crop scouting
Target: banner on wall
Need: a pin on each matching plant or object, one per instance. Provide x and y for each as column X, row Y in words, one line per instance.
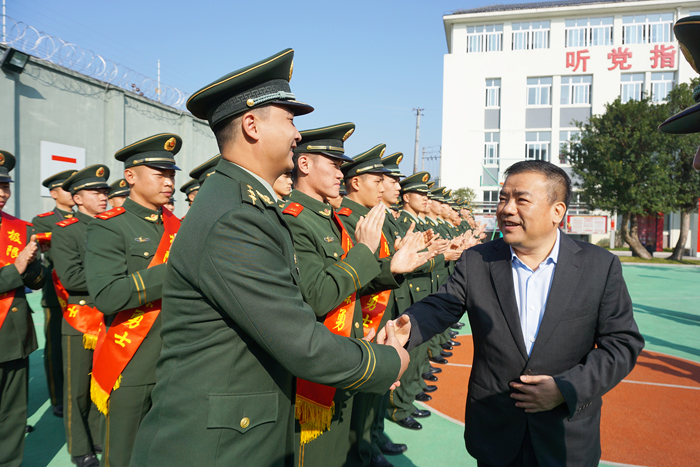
column 56, row 157
column 586, row 225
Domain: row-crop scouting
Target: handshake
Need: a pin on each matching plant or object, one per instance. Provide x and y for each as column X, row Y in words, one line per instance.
column 396, row 334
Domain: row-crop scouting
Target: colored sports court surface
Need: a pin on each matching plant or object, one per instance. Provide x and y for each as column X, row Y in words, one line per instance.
column 650, row 419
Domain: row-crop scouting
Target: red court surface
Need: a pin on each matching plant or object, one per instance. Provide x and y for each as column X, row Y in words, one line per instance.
column 650, row 419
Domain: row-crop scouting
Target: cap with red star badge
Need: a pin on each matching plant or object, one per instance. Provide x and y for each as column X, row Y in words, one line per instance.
column 327, row 141
column 7, row 163
column 89, row 178
column 418, row 182
column 263, row 83
column 391, row 162
column 157, row 151
column 119, row 188
column 56, row 180
column 369, row 162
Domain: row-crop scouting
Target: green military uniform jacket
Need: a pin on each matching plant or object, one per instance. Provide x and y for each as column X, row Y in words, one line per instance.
column 236, row 332
column 419, row 281
column 46, row 224
column 68, row 247
column 17, row 335
column 326, row 279
column 118, row 252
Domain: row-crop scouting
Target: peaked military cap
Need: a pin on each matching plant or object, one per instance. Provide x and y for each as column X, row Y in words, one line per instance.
column 417, row 182
column 262, row 83
column 7, row 163
column 157, row 151
column 119, row 188
column 90, row 178
column 369, row 162
column 56, row 180
column 189, row 187
column 205, row 169
column 327, row 141
column 687, row 31
column 391, row 162
column 437, row 193
column 342, row 191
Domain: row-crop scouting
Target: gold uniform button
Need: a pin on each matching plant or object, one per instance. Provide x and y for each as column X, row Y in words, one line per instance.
column 410, row 285
column 146, row 254
column 245, row 421
column 335, row 254
column 417, row 289
column 14, row 309
column 81, row 302
column 357, row 325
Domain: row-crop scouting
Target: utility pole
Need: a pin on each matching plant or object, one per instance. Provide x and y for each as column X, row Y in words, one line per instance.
column 418, row 112
column 4, row 36
column 422, row 167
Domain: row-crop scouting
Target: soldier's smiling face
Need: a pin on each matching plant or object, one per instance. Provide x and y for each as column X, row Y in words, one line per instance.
column 5, row 193
column 278, row 138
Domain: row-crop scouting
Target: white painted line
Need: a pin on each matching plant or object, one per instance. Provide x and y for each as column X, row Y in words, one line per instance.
column 446, row 417
column 34, row 418
column 459, row 364
column 622, row 465
column 661, row 384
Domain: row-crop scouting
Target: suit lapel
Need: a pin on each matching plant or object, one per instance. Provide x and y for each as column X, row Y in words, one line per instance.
column 502, row 275
column 566, row 277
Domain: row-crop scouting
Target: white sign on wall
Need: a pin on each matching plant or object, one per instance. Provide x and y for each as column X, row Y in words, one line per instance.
column 586, row 225
column 488, row 219
column 56, row 158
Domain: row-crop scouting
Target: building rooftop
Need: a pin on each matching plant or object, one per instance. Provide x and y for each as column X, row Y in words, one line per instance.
column 536, row 5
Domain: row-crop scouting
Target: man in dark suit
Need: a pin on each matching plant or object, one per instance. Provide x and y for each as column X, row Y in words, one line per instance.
column 552, row 326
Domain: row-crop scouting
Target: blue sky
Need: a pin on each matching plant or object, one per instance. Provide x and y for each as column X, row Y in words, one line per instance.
column 367, row 62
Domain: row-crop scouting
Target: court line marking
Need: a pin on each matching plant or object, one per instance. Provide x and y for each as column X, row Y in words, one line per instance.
column 661, row 384
column 446, row 417
column 622, row 465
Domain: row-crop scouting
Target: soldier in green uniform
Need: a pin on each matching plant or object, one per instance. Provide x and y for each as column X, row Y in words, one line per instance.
column 190, row 190
column 81, row 322
column 118, row 191
column 236, row 330
column 282, row 188
column 53, row 316
column 121, row 244
column 204, row 170
column 19, row 268
column 332, row 270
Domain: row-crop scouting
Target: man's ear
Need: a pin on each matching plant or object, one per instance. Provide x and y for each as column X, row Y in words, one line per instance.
column 130, row 176
column 250, row 126
column 304, row 164
column 559, row 211
column 355, row 183
column 54, row 194
column 404, row 197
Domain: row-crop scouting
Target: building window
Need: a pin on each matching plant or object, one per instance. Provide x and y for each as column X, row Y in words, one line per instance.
column 586, row 32
column 647, row 29
column 533, row 35
column 661, row 85
column 490, row 201
column 576, row 90
column 537, row 145
column 565, row 139
column 539, row 91
column 491, row 148
column 485, row 38
column 493, row 93
column 631, row 86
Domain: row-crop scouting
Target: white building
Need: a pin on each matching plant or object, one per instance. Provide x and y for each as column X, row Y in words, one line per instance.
column 517, row 76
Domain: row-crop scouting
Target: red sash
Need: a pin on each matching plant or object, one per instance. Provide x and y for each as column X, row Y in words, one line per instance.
column 82, row 318
column 117, row 345
column 13, row 238
column 374, row 306
column 314, row 406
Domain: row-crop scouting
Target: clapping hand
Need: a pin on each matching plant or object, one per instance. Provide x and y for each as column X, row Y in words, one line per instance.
column 369, row 228
column 408, row 258
column 27, row 256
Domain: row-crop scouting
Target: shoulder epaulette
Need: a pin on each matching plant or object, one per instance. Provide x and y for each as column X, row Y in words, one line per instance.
column 67, row 222
column 345, row 212
column 46, row 214
column 114, row 212
column 293, row 209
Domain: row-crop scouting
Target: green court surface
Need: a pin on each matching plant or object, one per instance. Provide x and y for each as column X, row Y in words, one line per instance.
column 666, row 304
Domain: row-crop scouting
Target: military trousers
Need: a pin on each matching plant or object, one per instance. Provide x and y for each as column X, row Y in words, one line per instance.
column 363, row 412
column 331, row 448
column 81, row 418
column 379, row 438
column 53, row 353
column 401, row 399
column 14, row 389
column 128, row 405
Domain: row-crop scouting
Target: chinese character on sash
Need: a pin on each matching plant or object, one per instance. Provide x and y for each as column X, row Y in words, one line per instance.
column 664, row 56
column 619, row 58
column 574, row 59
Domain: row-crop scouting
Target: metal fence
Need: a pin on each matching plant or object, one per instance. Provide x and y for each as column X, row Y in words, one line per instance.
column 52, row 49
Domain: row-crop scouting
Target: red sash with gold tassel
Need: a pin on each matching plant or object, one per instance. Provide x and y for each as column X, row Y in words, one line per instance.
column 314, row 406
column 117, row 345
column 374, row 306
column 13, row 238
column 83, row 318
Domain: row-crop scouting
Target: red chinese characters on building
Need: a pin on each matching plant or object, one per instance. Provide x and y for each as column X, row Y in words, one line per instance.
column 619, row 58
column 663, row 56
column 575, row 59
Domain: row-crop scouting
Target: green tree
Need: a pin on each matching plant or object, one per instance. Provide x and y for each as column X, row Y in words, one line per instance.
column 621, row 163
column 465, row 192
column 685, row 180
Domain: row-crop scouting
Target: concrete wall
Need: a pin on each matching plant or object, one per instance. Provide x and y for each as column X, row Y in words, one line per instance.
column 50, row 103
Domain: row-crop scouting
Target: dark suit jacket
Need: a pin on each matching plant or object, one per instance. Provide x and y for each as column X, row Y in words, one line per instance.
column 588, row 341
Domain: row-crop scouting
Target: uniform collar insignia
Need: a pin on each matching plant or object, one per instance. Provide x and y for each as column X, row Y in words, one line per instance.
column 152, row 217
column 251, row 194
column 68, row 216
column 142, row 240
column 328, row 239
column 325, row 212
column 264, row 197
